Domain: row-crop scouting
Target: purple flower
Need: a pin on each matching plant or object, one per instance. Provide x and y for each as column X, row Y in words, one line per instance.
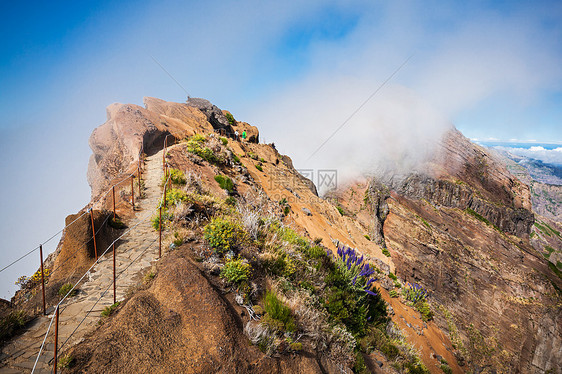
column 354, row 279
column 371, row 293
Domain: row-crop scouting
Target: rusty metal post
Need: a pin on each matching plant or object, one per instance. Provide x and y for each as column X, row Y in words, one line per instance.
column 56, row 338
column 139, row 171
column 42, row 279
column 132, row 191
column 94, row 232
column 113, row 188
column 160, row 233
column 164, row 157
column 114, row 284
column 165, row 193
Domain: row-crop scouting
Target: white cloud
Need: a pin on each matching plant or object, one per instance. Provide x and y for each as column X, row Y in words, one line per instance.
column 549, row 156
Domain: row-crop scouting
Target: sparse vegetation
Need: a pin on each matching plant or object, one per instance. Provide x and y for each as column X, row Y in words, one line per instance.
column 386, row 252
column 196, row 145
column 340, row 210
column 177, row 177
column 66, row 361
column 149, row 276
column 224, row 141
column 555, row 269
column 277, row 315
column 175, row 197
column 116, row 223
column 230, row 118
column 65, row 290
column 10, row 324
column 178, row 239
column 108, row 310
column 236, row 271
column 481, row 218
column 155, row 220
column 224, row 234
column 546, row 229
column 225, row 183
column 259, row 167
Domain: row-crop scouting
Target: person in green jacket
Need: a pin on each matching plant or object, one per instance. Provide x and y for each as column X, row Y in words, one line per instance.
column 244, row 135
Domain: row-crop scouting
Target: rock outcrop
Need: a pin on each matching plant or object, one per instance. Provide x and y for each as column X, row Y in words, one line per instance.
column 461, row 229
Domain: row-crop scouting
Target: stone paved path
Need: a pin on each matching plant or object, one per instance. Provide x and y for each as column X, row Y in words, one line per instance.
column 140, row 246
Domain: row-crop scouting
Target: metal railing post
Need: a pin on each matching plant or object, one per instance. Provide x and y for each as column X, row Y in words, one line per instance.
column 132, row 191
column 42, row 279
column 160, row 233
column 113, row 202
column 139, row 171
column 165, row 192
column 56, row 339
column 94, row 232
column 114, row 278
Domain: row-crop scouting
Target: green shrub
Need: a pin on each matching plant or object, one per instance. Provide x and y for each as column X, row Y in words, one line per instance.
column 252, row 155
column 425, row 310
column 177, row 177
column 225, row 183
column 108, row 310
column 196, row 145
column 340, row 209
column 392, row 276
column 235, row 158
column 155, row 220
column 259, row 167
column 223, row 234
column 295, row 346
column 286, row 210
column 175, row 196
column 386, row 252
column 555, row 269
column 446, row 369
column 315, row 252
column 116, row 223
column 278, row 315
column 11, row 323
column 66, row 361
column 224, row 141
column 481, row 218
column 178, row 240
column 149, row 276
column 360, row 367
column 393, row 293
column 390, row 350
column 236, row 271
column 230, row 118
column 367, row 237
column 65, row 288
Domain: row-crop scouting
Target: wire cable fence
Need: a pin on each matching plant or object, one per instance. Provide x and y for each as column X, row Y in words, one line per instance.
column 55, row 316
column 91, row 204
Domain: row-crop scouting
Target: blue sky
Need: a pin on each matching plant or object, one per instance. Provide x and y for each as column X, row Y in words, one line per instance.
column 294, row 69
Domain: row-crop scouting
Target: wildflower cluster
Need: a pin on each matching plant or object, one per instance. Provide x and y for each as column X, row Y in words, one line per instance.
column 348, row 297
column 415, row 293
column 355, row 268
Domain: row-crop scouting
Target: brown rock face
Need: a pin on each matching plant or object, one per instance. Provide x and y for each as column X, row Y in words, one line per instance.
column 462, row 231
column 117, row 143
column 180, row 324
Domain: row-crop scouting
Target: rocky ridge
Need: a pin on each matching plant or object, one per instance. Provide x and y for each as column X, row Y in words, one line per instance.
column 463, row 230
